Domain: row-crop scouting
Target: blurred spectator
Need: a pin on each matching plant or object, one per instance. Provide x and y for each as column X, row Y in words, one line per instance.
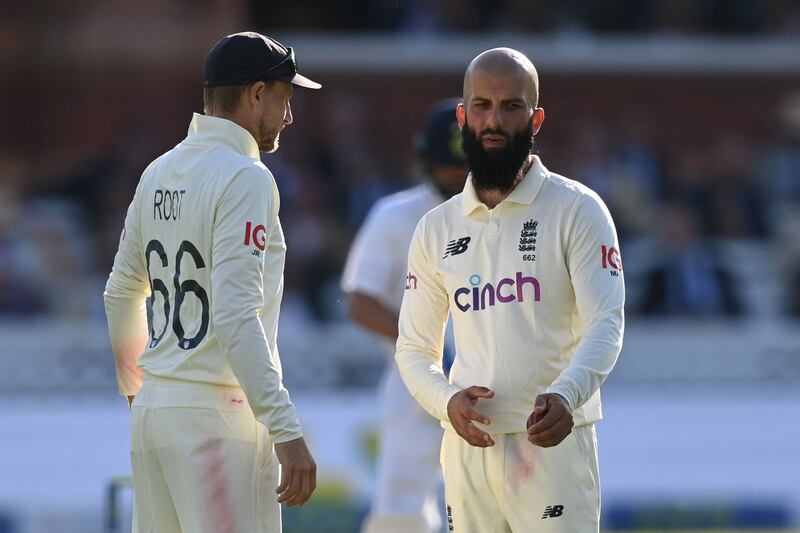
column 782, row 171
column 590, row 155
column 790, row 260
column 637, row 174
column 732, row 204
column 21, row 294
column 437, row 16
column 688, row 278
column 620, row 174
column 718, row 181
column 42, row 251
column 782, row 160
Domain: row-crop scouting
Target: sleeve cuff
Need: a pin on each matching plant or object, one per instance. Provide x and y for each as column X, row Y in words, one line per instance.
column 284, row 436
column 446, row 395
column 563, row 391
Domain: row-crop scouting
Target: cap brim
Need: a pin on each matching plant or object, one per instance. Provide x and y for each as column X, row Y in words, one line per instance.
column 302, row 81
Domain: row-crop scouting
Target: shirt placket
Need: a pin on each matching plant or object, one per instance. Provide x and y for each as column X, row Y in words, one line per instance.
column 493, row 261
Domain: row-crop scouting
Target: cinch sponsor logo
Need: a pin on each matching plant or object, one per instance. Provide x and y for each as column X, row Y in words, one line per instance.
column 257, row 235
column 506, row 290
column 411, row 281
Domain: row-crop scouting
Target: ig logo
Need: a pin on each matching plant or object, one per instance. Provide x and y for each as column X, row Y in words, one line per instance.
column 610, row 257
column 257, row 235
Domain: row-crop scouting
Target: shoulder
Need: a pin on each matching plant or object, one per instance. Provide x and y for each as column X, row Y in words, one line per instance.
column 437, row 222
column 151, row 169
column 568, row 188
column 574, row 195
column 400, row 205
column 249, row 175
column 443, row 213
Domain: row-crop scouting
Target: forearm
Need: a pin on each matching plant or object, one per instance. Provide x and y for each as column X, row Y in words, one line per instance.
column 372, row 315
column 425, row 381
column 243, row 341
column 127, row 327
column 593, row 361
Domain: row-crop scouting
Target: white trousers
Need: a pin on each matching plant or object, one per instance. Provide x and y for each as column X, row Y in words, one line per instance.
column 201, row 462
column 516, row 487
column 409, row 478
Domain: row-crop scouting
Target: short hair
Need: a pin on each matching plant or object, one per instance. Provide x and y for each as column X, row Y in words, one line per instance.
column 223, row 98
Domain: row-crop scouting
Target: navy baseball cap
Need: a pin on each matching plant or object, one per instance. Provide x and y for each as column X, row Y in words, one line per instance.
column 439, row 142
column 247, row 57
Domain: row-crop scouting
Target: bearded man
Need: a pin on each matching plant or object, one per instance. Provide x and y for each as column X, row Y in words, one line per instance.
column 528, row 264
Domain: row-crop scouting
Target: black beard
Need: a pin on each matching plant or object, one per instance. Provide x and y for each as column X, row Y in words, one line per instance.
column 496, row 170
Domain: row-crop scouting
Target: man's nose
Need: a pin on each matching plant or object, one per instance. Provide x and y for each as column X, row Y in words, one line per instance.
column 494, row 118
column 288, row 119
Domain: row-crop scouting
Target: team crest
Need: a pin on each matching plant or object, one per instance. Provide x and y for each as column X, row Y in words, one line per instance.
column 527, row 237
column 527, row 240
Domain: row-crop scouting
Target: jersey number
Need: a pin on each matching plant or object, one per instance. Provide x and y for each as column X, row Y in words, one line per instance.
column 181, row 288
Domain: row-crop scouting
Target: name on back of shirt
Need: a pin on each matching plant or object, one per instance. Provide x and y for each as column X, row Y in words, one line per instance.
column 167, row 204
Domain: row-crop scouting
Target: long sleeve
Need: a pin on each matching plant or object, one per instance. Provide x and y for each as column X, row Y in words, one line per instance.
column 595, row 268
column 245, row 219
column 124, row 298
column 373, row 261
column 423, row 316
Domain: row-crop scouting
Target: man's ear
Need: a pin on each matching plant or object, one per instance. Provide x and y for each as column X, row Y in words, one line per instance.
column 257, row 92
column 461, row 116
column 537, row 118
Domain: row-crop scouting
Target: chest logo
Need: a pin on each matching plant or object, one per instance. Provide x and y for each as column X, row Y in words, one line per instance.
column 457, row 246
column 527, row 237
column 478, row 296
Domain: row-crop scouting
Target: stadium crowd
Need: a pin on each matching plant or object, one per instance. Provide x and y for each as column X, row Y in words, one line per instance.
column 59, row 225
column 570, row 17
column 61, row 211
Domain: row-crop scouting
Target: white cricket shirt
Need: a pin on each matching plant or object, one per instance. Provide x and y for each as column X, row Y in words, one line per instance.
column 200, row 266
column 536, row 292
column 379, row 254
column 378, row 258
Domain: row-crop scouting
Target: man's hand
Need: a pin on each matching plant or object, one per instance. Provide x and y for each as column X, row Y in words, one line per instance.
column 461, row 412
column 298, row 472
column 551, row 420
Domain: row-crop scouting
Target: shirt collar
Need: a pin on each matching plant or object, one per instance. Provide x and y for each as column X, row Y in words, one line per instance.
column 524, row 193
column 206, row 130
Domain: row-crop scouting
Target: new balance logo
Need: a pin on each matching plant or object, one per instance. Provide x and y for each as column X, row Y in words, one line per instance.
column 553, row 511
column 456, row 247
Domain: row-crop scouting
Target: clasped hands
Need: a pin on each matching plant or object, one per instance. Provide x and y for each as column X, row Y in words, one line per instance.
column 548, row 424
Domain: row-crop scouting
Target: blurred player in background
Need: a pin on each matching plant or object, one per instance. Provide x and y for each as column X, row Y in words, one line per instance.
column 527, row 263
column 203, row 246
column 406, row 498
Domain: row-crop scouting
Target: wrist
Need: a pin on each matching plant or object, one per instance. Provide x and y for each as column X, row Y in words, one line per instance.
column 563, row 395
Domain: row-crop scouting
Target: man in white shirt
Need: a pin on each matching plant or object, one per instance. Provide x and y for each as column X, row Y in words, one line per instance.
column 200, row 268
column 527, row 262
column 408, row 476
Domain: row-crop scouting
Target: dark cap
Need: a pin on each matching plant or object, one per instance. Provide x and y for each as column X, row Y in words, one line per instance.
column 439, row 142
column 248, row 57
